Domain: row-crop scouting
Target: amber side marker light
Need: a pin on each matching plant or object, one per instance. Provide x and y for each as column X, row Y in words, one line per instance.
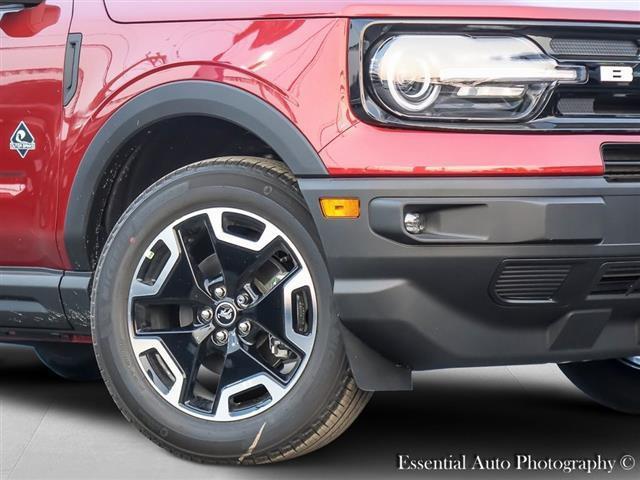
column 340, row 207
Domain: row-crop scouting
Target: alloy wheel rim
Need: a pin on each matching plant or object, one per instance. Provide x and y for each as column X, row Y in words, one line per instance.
column 222, row 314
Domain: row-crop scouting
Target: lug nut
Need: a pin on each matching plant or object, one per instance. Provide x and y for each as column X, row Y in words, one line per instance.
column 221, row 337
column 243, row 300
column 206, row 314
column 414, row 223
column 220, row 292
column 244, row 327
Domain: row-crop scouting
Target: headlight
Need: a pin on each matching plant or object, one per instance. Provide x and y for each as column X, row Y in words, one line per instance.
column 464, row 77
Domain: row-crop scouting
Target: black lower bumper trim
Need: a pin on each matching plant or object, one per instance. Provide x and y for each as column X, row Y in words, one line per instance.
column 438, row 299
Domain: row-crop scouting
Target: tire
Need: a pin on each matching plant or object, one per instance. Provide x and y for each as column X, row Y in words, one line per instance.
column 70, row 361
column 612, row 383
column 256, row 197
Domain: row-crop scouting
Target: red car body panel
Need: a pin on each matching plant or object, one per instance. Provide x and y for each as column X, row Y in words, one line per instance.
column 190, row 10
column 287, row 62
column 384, row 152
column 294, row 59
column 32, row 48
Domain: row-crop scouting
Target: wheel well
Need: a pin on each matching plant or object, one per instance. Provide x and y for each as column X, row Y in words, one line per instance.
column 155, row 151
column 220, row 106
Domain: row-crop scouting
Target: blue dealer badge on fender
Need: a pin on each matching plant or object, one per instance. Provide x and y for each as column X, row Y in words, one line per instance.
column 22, row 140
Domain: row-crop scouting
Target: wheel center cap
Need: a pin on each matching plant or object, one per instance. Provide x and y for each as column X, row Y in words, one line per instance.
column 225, row 314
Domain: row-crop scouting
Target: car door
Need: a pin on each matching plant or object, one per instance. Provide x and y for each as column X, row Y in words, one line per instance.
column 33, row 40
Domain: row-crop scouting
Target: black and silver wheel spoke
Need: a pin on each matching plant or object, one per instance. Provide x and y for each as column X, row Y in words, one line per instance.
column 275, row 312
column 182, row 351
column 239, row 265
column 242, row 373
column 243, row 252
column 179, row 279
column 216, row 308
column 268, row 312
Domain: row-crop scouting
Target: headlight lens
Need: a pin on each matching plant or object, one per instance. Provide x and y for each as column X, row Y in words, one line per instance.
column 462, row 77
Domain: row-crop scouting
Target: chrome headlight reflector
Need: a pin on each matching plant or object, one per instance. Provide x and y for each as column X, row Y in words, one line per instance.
column 464, row 77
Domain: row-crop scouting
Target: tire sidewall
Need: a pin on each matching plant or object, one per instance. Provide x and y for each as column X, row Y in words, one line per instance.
column 186, row 191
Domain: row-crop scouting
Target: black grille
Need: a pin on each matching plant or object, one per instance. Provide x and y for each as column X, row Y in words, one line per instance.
column 530, row 282
column 621, row 161
column 597, row 103
column 620, row 278
column 576, row 106
column 577, row 47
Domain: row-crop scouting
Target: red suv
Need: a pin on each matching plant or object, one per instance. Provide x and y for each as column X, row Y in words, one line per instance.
column 257, row 213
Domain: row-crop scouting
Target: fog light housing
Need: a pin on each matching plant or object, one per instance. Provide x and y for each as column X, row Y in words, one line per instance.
column 414, row 223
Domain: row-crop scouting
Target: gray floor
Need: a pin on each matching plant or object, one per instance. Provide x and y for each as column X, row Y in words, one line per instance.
column 50, row 428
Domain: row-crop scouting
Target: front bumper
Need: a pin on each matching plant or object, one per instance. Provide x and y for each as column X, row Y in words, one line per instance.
column 510, row 270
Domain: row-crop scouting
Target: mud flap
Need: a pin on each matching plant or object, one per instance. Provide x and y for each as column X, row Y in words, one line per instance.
column 372, row 371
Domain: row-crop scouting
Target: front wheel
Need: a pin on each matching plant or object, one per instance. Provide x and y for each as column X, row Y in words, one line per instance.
column 213, row 321
column 612, row 383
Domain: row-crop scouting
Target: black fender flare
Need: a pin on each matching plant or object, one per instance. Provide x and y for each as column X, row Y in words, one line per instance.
column 191, row 97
